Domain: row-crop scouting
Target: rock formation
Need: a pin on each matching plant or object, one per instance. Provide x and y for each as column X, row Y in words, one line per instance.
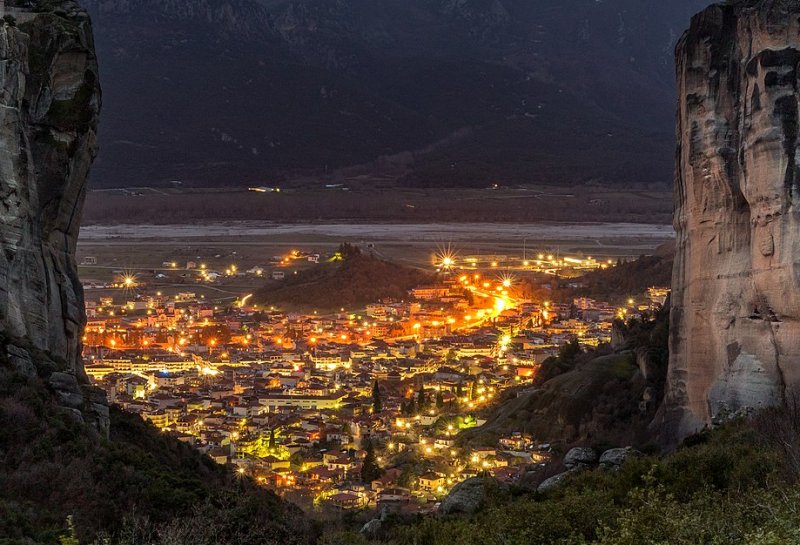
column 735, row 321
column 471, row 495
column 50, row 99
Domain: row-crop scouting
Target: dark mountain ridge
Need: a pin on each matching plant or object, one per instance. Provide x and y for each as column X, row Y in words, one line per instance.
column 244, row 91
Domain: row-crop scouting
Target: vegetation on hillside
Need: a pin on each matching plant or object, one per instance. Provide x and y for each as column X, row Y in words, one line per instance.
column 354, row 280
column 138, row 487
column 736, row 485
column 598, row 396
column 626, row 279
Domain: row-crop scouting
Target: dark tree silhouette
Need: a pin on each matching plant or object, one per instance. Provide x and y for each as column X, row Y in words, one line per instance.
column 370, row 470
column 377, row 403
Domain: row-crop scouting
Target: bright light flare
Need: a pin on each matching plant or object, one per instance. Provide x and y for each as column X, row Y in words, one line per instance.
column 445, row 258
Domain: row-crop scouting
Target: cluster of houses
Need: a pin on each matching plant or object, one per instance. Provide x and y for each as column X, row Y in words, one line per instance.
column 342, row 410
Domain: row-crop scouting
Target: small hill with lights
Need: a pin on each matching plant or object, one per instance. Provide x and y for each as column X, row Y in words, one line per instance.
column 351, row 279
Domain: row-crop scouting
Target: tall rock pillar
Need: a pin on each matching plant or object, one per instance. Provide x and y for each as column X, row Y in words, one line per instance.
column 49, row 107
column 735, row 331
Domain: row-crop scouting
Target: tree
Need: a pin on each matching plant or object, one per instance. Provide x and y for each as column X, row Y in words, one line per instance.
column 473, row 392
column 412, row 407
column 422, row 401
column 377, row 403
column 460, row 390
column 271, row 444
column 408, row 476
column 348, row 250
column 439, row 400
column 569, row 350
column 370, row 470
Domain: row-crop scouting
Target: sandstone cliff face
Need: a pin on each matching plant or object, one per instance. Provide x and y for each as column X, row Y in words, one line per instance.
column 49, row 104
column 735, row 322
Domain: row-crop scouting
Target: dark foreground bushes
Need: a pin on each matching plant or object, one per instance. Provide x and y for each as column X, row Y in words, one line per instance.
column 733, row 486
column 140, row 487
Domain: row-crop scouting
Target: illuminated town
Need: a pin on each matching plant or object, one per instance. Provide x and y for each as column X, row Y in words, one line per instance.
column 348, row 409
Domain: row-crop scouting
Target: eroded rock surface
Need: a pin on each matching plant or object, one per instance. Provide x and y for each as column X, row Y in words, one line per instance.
column 735, row 321
column 49, row 105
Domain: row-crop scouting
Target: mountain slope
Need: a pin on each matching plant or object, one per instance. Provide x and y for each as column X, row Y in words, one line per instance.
column 137, row 480
column 244, row 91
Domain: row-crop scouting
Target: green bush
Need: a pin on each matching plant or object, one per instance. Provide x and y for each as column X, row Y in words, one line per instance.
column 727, row 487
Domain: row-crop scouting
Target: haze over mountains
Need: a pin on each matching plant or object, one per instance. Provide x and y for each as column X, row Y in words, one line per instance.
column 453, row 92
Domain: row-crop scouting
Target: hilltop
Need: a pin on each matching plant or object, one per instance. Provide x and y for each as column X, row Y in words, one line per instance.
column 353, row 279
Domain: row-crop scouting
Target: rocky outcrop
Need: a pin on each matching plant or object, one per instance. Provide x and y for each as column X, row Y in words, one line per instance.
column 553, row 482
column 735, row 321
column 50, row 98
column 615, row 458
column 583, row 458
column 471, row 495
column 580, row 457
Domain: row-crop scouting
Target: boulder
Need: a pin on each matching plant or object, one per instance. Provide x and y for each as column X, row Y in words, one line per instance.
column 580, row 457
column 372, row 528
column 468, row 496
column 615, row 458
column 552, row 482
